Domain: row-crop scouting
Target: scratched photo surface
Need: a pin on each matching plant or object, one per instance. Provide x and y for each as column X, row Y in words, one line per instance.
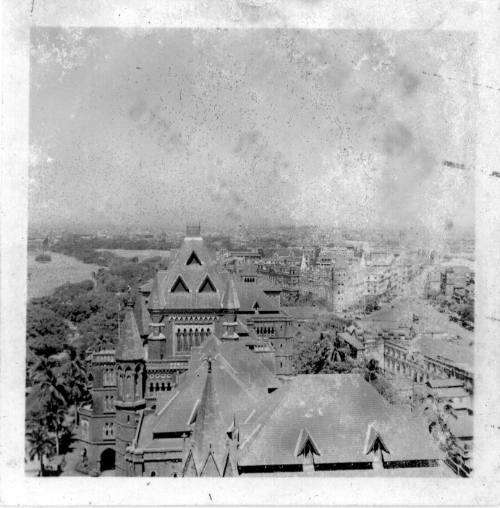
column 251, row 252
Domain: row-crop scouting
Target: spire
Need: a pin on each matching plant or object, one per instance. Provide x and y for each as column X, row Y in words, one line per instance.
column 156, row 299
column 209, row 435
column 129, row 345
column 230, row 299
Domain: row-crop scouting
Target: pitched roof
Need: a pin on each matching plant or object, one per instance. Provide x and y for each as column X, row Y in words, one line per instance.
column 337, row 410
column 191, row 267
column 209, row 434
column 374, row 439
column 230, row 299
column 142, row 315
column 156, row 298
column 249, row 294
column 304, row 442
column 239, row 380
column 129, row 345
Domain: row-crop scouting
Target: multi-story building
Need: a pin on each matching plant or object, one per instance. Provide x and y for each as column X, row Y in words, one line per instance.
column 178, row 311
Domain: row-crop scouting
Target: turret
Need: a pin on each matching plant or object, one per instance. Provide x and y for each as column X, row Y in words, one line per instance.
column 130, row 373
column 230, row 306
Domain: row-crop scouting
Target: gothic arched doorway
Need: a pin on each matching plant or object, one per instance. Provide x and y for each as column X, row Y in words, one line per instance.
column 107, row 459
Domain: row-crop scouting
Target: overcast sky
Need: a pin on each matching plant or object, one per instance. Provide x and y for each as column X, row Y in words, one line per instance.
column 159, row 127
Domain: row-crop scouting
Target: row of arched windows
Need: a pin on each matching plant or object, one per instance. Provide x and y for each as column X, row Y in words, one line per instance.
column 268, row 330
column 109, row 403
column 108, row 431
column 108, row 378
column 159, row 387
column 187, row 338
column 130, row 382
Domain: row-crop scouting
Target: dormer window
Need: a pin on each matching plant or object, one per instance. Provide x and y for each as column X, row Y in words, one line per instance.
column 179, row 286
column 256, row 306
column 207, row 286
column 193, row 259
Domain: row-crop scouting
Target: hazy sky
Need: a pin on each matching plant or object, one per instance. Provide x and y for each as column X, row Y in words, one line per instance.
column 159, row 127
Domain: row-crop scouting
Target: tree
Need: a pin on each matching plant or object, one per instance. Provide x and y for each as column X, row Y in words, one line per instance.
column 75, row 381
column 48, row 383
column 39, row 442
column 46, row 331
column 55, row 415
column 321, row 356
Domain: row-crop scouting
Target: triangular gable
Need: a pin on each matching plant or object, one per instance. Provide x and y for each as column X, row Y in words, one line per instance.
column 306, row 443
column 207, row 286
column 374, row 441
column 179, row 286
column 210, row 468
column 193, row 259
column 189, row 468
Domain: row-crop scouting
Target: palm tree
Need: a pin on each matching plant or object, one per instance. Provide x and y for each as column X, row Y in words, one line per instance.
column 75, row 382
column 49, row 384
column 55, row 415
column 39, row 442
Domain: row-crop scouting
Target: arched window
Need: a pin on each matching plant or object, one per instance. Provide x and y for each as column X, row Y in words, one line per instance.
column 153, row 473
column 163, row 387
column 129, row 384
column 157, row 387
column 151, row 387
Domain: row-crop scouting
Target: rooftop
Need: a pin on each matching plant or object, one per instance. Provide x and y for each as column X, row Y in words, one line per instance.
column 338, row 411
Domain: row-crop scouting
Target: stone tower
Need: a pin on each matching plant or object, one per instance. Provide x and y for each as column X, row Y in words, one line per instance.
column 130, row 374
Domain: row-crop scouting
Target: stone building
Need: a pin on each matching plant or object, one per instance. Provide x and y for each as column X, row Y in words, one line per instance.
column 179, row 310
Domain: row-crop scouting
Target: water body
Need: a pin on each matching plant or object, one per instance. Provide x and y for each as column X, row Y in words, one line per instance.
column 43, row 278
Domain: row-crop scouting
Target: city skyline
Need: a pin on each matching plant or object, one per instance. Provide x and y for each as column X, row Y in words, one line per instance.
column 154, row 128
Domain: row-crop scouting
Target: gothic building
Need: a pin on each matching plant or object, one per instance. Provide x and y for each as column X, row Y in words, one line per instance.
column 177, row 312
column 199, row 385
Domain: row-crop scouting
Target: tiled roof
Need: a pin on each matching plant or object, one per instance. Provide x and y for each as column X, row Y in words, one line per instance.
column 209, row 434
column 142, row 315
column 129, row 345
column 193, row 275
column 230, row 298
column 239, row 379
column 337, row 410
column 156, row 297
column 248, row 294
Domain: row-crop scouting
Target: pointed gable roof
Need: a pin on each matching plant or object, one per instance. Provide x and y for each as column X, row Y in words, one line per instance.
column 179, row 286
column 374, row 441
column 129, row 345
column 192, row 280
column 156, row 298
column 207, row 286
column 193, row 259
column 189, row 468
column 209, row 429
column 230, row 299
column 210, row 468
column 305, row 442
